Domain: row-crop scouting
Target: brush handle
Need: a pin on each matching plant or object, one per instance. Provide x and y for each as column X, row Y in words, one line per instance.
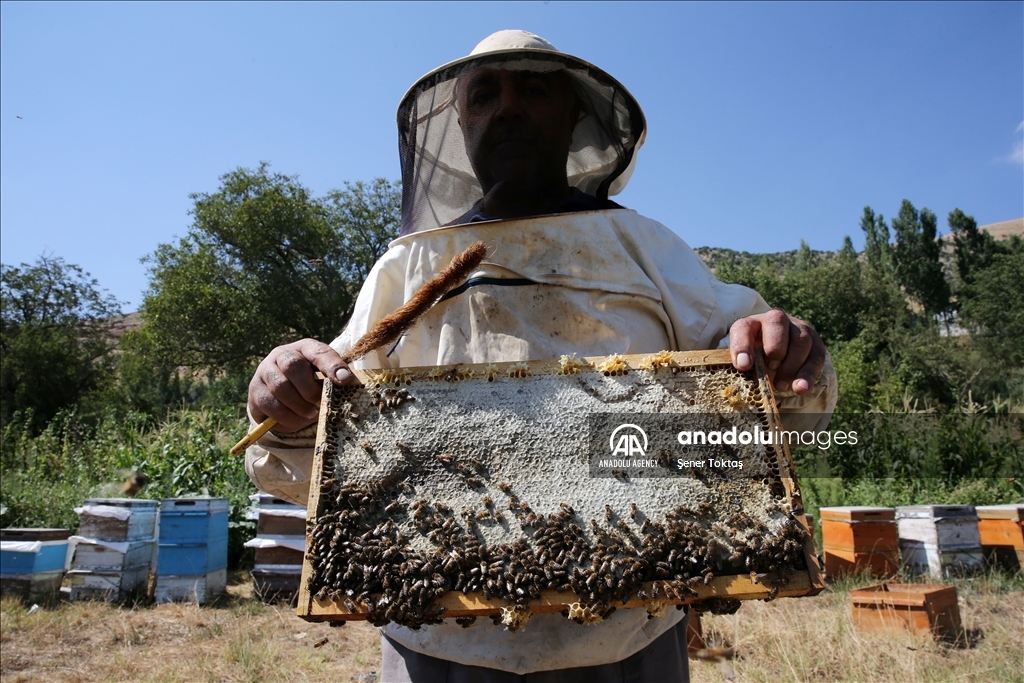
column 391, row 327
column 253, row 436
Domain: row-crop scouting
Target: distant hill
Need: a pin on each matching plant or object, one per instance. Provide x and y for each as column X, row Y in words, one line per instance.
column 1004, row 229
column 716, row 256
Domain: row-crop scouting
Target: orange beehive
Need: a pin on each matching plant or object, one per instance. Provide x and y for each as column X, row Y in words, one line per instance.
column 859, row 539
column 1002, row 532
column 918, row 608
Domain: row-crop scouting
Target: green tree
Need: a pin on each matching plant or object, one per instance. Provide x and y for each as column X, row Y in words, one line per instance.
column 264, row 262
column 993, row 309
column 916, row 253
column 877, row 250
column 54, row 336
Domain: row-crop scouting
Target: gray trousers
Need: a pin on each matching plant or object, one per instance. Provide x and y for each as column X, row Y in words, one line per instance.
column 663, row 661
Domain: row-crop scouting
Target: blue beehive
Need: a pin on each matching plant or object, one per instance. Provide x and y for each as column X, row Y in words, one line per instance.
column 193, row 536
column 32, row 561
column 192, row 556
column 30, row 551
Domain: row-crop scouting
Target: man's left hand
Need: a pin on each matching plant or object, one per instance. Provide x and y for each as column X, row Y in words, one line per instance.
column 795, row 353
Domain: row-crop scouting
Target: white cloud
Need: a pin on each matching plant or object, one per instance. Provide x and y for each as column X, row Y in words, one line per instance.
column 1017, row 155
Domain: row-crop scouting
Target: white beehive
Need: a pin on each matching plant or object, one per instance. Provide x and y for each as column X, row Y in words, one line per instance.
column 939, row 540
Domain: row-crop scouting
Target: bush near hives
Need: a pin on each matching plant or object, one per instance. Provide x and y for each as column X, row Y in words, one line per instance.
column 46, row 476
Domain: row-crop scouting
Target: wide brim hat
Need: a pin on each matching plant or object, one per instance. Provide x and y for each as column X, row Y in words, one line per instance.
column 438, row 182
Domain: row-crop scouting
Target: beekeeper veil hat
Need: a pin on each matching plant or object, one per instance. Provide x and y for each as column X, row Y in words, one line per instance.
column 438, row 182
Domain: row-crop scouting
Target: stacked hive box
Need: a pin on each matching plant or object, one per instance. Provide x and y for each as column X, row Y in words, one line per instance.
column 939, row 539
column 114, row 549
column 859, row 539
column 280, row 544
column 32, row 562
column 193, row 557
column 917, row 608
column 1001, row 529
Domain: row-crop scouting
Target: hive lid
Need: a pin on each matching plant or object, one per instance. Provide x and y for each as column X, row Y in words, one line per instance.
column 197, row 504
column 903, row 595
column 857, row 513
column 1010, row 511
column 269, row 502
column 137, row 504
column 34, row 534
column 935, row 511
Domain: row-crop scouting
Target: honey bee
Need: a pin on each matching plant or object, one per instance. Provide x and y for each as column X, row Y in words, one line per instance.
column 722, row 655
column 367, row 446
column 633, row 511
column 486, row 500
column 608, row 512
column 715, row 653
column 504, row 487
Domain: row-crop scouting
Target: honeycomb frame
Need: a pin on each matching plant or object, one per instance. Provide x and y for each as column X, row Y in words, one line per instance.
column 392, row 538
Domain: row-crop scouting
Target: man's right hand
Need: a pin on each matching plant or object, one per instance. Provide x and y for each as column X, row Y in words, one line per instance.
column 285, row 386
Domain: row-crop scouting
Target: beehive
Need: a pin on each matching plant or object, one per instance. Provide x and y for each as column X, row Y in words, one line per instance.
column 114, row 549
column 32, row 561
column 939, row 540
column 118, row 519
column 279, row 544
column 918, row 608
column 192, row 558
column 1001, row 529
column 495, row 489
column 859, row 539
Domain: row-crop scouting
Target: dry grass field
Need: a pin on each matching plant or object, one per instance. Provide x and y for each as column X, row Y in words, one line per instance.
column 241, row 639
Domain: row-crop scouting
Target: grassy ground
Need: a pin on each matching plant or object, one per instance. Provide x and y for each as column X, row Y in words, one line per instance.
column 813, row 639
column 240, row 639
column 237, row 639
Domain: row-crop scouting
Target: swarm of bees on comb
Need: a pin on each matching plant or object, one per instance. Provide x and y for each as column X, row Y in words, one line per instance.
column 408, row 508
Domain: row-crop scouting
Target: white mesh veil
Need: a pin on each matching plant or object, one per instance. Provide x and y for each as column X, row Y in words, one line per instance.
column 438, row 182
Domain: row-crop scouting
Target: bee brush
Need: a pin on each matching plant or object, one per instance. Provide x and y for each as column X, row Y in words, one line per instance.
column 391, row 327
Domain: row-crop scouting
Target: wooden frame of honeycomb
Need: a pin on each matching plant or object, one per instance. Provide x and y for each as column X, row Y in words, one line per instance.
column 470, row 490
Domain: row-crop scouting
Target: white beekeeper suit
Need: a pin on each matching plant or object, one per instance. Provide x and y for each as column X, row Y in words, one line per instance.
column 589, row 282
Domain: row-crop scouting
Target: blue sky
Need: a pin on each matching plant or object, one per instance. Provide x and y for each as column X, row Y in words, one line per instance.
column 767, row 123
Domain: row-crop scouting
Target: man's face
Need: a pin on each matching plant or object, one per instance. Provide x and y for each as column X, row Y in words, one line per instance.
column 517, row 126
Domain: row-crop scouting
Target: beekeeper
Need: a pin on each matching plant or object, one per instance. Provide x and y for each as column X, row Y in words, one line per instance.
column 520, row 146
